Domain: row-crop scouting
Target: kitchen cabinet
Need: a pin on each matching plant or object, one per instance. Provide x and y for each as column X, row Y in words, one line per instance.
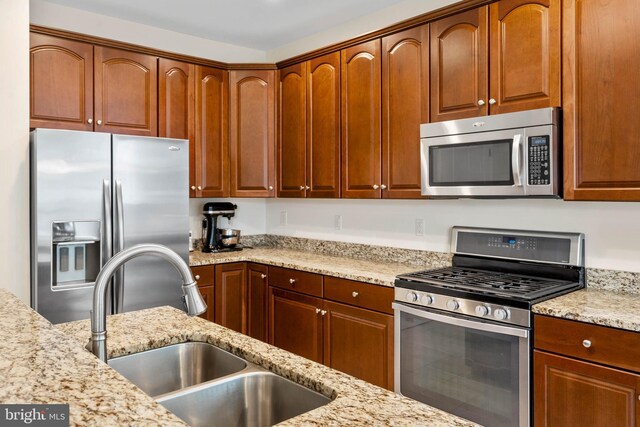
column 360, row 135
column 231, row 296
column 405, row 105
column 211, row 153
column 176, row 115
column 61, row 83
column 585, row 374
column 252, row 133
column 205, row 277
column 125, row 92
column 601, row 98
column 257, row 301
column 495, row 59
column 309, row 128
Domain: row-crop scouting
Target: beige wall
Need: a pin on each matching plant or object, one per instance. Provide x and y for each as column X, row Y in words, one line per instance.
column 14, row 147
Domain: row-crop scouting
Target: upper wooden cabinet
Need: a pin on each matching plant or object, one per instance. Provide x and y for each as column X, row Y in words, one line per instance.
column 360, row 88
column 601, row 99
column 61, row 84
column 126, row 92
column 211, row 132
column 405, row 105
column 252, row 133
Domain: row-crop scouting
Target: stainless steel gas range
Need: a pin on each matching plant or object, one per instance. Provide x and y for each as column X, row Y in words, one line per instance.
column 463, row 334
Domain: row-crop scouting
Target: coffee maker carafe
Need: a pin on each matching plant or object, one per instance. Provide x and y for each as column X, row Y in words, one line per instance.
column 213, row 239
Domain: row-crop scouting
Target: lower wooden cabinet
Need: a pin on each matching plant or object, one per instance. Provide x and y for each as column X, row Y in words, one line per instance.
column 257, row 304
column 205, row 276
column 208, row 297
column 231, row 296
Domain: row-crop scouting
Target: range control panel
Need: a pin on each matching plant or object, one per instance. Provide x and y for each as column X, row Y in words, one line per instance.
column 539, row 169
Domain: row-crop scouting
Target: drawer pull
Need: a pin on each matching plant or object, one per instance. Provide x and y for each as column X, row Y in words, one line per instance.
column 263, row 276
column 292, row 281
column 354, row 294
column 586, row 343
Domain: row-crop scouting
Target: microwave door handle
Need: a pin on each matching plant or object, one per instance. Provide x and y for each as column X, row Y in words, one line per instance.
column 516, row 160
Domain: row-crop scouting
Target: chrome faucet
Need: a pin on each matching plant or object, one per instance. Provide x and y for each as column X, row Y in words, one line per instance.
column 191, row 296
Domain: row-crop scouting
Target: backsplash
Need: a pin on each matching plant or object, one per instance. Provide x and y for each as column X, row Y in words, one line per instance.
column 613, row 280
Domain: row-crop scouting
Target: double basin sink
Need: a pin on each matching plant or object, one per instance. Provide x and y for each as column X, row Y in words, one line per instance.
column 205, row 385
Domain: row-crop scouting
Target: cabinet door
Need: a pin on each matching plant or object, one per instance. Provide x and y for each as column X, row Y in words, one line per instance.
column 257, row 301
column 459, row 80
column 601, row 99
column 176, row 107
column 292, row 131
column 405, row 105
column 323, row 126
column 569, row 392
column 350, row 333
column 212, row 142
column 295, row 323
column 525, row 55
column 361, row 120
column 252, row 133
column 231, row 296
column 126, row 92
column 207, row 293
column 61, row 83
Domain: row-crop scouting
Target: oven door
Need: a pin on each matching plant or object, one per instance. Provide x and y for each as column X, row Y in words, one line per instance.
column 470, row 368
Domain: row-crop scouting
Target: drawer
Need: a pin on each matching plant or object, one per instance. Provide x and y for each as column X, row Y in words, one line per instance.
column 294, row 280
column 609, row 346
column 206, row 273
column 365, row 295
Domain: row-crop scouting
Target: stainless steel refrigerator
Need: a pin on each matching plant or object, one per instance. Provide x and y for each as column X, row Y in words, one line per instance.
column 92, row 195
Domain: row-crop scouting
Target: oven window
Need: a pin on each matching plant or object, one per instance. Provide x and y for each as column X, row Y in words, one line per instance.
column 472, row 164
column 466, row 372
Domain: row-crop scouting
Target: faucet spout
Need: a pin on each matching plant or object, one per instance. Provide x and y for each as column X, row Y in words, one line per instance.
column 191, row 296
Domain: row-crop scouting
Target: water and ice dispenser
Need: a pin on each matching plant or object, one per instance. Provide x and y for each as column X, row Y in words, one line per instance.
column 76, row 253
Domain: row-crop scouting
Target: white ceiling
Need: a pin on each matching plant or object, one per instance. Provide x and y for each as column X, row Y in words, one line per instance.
column 257, row 24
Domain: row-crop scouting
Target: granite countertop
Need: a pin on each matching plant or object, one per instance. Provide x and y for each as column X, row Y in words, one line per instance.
column 354, row 403
column 363, row 270
column 597, row 306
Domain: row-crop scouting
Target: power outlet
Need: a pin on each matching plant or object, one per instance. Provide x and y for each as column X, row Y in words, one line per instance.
column 284, row 218
column 337, row 222
column 419, row 227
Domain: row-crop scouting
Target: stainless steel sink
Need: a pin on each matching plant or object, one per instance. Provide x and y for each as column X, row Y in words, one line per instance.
column 175, row 367
column 253, row 399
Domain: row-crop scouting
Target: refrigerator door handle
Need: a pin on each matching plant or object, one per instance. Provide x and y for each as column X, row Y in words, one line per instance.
column 106, row 225
column 118, row 284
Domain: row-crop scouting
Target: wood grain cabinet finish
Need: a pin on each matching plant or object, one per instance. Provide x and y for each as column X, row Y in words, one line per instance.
column 211, row 152
column 126, row 92
column 360, row 90
column 61, row 83
column 459, row 54
column 524, row 55
column 205, row 277
column 208, row 295
column 350, row 333
column 405, row 105
column 176, row 105
column 252, row 133
column 601, row 99
column 258, row 301
column 231, row 296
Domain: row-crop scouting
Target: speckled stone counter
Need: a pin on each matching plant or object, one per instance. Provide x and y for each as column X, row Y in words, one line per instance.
column 40, row 364
column 363, row 270
column 355, row 402
column 601, row 307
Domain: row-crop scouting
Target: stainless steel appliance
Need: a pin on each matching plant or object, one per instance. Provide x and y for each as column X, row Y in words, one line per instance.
column 215, row 239
column 463, row 334
column 92, row 195
column 506, row 155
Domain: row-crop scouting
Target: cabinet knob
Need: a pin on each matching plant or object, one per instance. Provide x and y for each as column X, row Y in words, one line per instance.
column 586, row 343
column 99, row 122
column 307, row 187
column 302, row 187
column 292, row 281
column 323, row 312
column 271, row 188
column 492, row 101
column 481, row 102
column 318, row 310
column 197, row 277
column 193, row 187
column 354, row 294
column 263, row 276
column 375, row 186
column 89, row 121
column 384, row 187
column 199, row 187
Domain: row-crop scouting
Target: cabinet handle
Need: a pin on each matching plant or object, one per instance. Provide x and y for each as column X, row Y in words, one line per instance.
column 586, row 343
column 480, row 102
column 199, row 187
column 318, row 310
column 323, row 312
column 354, row 294
column 375, row 186
column 271, row 188
column 492, row 101
column 193, row 187
column 384, row 187
column 292, row 281
column 197, row 277
column 99, row 122
column 263, row 276
column 89, row 121
column 307, row 187
column 302, row 187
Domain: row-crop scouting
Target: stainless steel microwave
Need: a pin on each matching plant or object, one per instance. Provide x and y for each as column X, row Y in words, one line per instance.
column 506, row 155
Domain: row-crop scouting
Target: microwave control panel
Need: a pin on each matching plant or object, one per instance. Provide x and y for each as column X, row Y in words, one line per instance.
column 539, row 164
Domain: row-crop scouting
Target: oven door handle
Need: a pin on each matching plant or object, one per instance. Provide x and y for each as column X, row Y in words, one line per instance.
column 456, row 321
column 516, row 160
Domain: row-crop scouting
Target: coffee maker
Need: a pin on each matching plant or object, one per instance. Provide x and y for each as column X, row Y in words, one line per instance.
column 215, row 239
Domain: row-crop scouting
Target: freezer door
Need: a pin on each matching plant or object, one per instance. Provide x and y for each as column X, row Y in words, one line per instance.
column 151, row 205
column 70, row 210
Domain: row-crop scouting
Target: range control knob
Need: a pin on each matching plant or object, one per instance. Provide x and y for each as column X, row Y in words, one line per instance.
column 501, row 314
column 412, row 297
column 427, row 300
column 482, row 310
column 453, row 304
